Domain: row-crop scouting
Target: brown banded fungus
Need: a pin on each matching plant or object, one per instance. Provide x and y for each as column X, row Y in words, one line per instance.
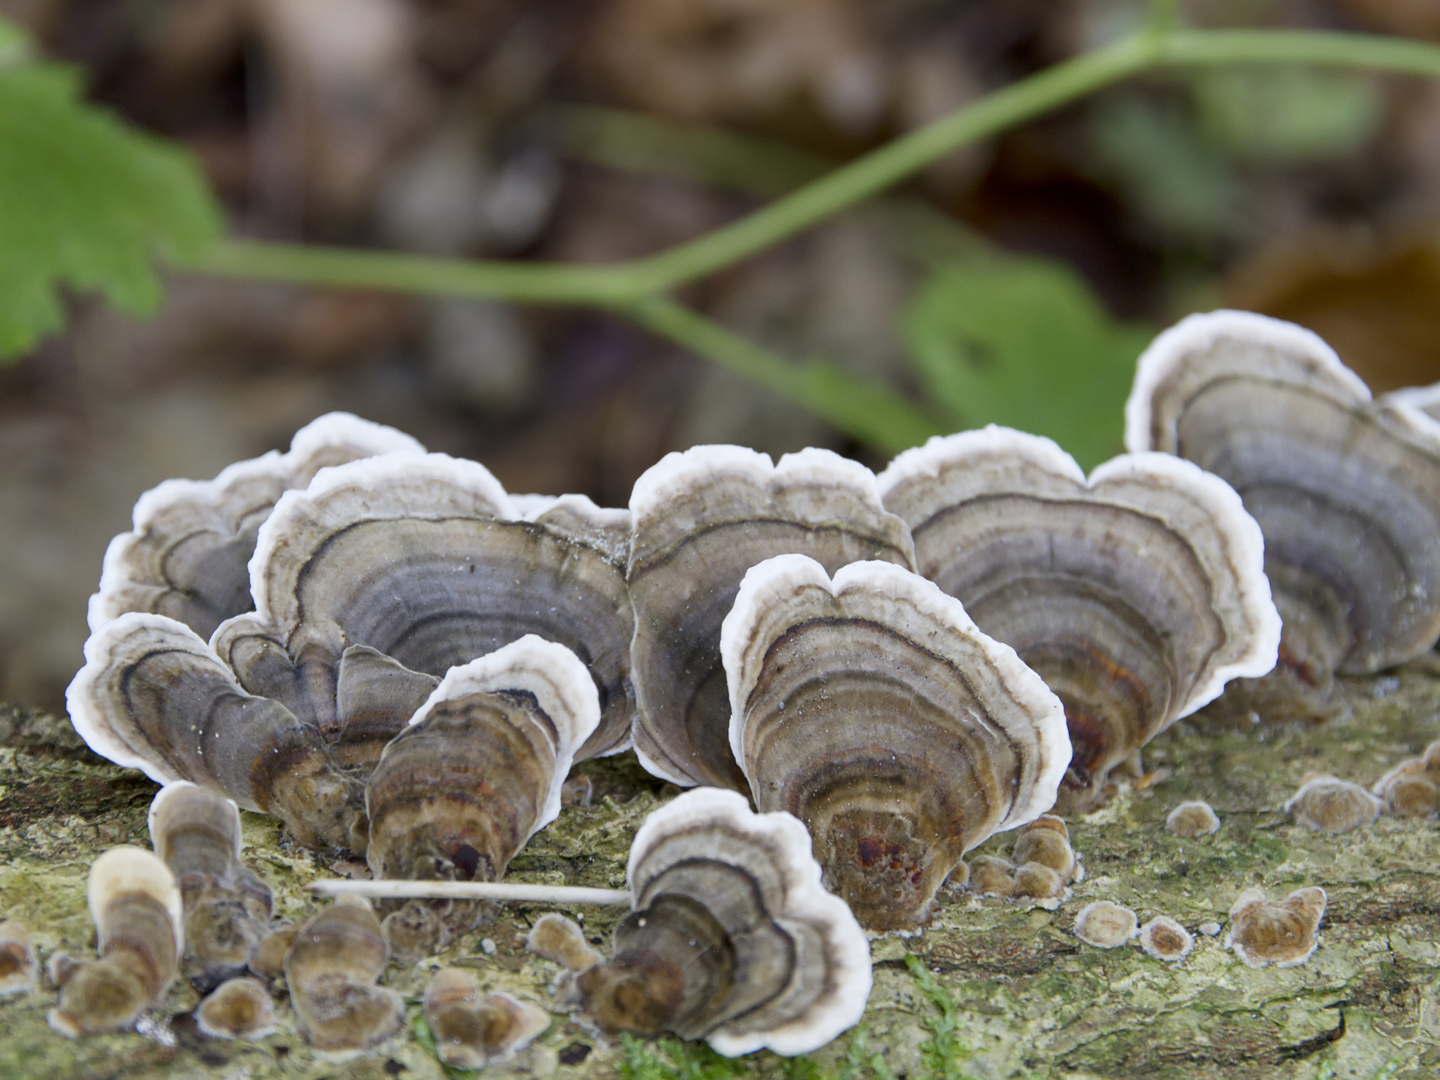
column 138, row 921
column 18, row 969
column 478, row 770
column 187, row 554
column 1165, row 939
column 425, row 561
column 1346, row 491
column 1279, row 932
column 369, row 585
column 732, row 937
column 561, row 941
column 196, row 832
column 1136, row 594
column 1106, row 925
column 331, row 969
column 701, row 520
column 1412, row 788
column 874, row 710
column 1329, row 804
column 472, row 1032
column 153, row 696
column 238, row 1008
column 1192, row 819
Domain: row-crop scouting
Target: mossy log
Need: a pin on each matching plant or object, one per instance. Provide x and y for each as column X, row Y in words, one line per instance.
column 1030, row 999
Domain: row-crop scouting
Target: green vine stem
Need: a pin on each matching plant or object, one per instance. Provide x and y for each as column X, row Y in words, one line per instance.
column 637, row 288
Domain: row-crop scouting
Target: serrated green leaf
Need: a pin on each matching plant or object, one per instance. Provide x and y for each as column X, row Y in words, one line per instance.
column 85, row 202
column 1023, row 342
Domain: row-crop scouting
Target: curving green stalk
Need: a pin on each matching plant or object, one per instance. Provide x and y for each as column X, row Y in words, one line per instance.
column 637, row 288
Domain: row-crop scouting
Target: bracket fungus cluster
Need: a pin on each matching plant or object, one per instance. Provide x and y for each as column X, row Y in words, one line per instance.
column 196, row 833
column 369, row 585
column 871, row 708
column 702, row 519
column 1346, row 490
column 1135, row 593
column 1041, row 866
column 732, row 937
column 400, row 659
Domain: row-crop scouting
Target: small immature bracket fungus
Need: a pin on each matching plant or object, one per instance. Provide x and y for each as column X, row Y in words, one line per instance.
column 138, row 919
column 990, row 875
column 732, row 937
column 472, row 1032
column 1192, row 819
column 1135, row 593
column 331, row 969
column 1040, row 867
column 268, row 959
column 187, row 554
column 1279, row 932
column 476, row 773
column 701, row 520
column 19, row 971
column 238, row 1008
column 1165, row 939
column 874, row 710
column 1328, row 804
column 1046, row 841
column 196, row 831
column 1106, row 925
column 1346, row 491
column 561, row 941
column 1412, row 788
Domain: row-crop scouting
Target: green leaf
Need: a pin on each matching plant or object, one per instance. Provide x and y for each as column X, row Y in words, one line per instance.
column 85, row 201
column 1022, row 342
column 1287, row 115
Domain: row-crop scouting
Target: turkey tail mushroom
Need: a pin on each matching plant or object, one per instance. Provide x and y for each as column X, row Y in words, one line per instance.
column 701, row 520
column 196, row 832
column 424, row 562
column 152, row 696
column 732, row 938
column 136, row 908
column 187, row 554
column 476, row 773
column 330, row 969
column 1136, row 593
column 1346, row 491
column 874, row 710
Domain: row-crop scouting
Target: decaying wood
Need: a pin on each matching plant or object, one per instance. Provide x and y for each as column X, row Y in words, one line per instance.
column 1033, row 1000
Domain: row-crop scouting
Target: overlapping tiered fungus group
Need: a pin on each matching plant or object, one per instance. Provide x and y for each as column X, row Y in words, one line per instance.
column 402, row 661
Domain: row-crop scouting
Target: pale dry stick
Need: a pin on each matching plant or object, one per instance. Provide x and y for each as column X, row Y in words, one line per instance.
column 470, row 890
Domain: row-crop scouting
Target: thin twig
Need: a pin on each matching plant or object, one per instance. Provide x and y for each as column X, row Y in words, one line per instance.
column 471, row 890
